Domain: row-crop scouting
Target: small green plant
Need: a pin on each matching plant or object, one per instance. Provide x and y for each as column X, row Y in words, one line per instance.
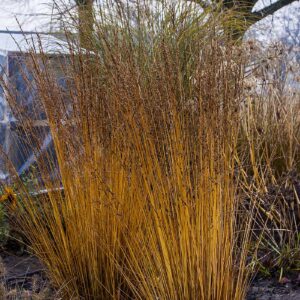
column 4, row 226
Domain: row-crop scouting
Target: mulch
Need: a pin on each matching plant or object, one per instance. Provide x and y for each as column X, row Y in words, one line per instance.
column 287, row 288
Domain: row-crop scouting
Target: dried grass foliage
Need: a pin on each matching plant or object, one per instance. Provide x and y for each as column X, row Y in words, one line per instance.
column 146, row 138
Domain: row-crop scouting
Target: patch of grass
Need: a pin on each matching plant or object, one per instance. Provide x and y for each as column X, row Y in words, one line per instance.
column 269, row 155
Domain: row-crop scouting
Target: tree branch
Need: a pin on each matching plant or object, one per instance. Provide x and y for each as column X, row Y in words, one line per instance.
column 271, row 9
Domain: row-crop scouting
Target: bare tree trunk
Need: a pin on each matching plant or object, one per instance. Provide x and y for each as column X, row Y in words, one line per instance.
column 86, row 22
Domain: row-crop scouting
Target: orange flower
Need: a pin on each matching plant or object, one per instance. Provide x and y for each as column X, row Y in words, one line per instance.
column 9, row 197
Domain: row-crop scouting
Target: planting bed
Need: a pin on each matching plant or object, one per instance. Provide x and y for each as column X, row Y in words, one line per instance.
column 271, row 289
column 23, row 277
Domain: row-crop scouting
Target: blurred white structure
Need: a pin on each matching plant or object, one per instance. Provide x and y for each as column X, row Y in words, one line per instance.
column 14, row 48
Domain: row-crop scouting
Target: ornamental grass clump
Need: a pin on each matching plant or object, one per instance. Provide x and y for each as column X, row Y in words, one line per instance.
column 145, row 203
column 268, row 147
